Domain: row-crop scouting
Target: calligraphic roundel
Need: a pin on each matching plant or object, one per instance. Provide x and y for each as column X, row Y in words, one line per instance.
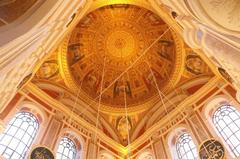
column 41, row 152
column 211, row 149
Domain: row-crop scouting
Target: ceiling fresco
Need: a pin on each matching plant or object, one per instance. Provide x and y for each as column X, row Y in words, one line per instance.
column 110, row 46
column 110, row 51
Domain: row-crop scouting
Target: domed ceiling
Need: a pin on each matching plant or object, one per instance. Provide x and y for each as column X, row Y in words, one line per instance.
column 109, row 48
column 122, row 48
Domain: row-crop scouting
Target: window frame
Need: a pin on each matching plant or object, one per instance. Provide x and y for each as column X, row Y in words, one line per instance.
column 62, row 153
column 231, row 148
column 210, row 106
column 181, row 144
column 19, row 128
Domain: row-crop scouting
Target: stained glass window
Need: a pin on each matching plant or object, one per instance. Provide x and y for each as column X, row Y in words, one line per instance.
column 186, row 148
column 226, row 119
column 18, row 136
column 66, row 149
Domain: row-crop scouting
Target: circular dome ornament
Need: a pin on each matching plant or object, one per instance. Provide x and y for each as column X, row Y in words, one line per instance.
column 118, row 39
column 211, row 149
column 41, row 152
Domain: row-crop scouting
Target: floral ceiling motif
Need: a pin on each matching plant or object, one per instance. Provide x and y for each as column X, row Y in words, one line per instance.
column 108, row 48
column 110, row 44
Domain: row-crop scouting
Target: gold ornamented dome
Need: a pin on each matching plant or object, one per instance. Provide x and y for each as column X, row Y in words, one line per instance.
column 113, row 44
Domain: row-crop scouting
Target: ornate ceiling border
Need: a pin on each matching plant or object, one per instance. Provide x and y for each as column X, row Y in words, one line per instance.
column 71, row 83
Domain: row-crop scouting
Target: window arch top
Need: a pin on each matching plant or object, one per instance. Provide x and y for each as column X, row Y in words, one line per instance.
column 226, row 120
column 16, row 140
column 185, row 147
column 66, row 149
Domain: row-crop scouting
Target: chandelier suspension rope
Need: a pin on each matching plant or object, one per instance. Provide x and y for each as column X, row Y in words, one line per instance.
column 100, row 98
column 128, row 68
column 134, row 62
column 72, row 110
column 125, row 97
column 161, row 94
column 127, row 122
column 181, row 111
column 74, row 105
column 158, row 90
column 102, row 90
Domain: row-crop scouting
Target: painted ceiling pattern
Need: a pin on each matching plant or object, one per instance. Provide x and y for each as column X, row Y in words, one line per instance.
column 112, row 40
column 108, row 48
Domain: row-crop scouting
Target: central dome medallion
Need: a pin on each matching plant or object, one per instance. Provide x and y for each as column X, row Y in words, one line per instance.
column 120, row 44
column 111, row 40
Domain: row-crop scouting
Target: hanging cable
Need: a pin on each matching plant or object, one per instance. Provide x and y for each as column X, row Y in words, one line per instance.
column 180, row 111
column 158, row 90
column 74, row 105
column 129, row 67
column 127, row 122
column 137, row 59
column 177, row 108
column 100, row 98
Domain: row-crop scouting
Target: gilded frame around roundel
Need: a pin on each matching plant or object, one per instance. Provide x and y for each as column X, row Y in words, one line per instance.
column 44, row 146
column 72, row 84
column 199, row 147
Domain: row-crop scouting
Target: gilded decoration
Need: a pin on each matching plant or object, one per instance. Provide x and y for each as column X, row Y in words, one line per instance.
column 225, row 75
column 41, row 152
column 211, row 149
column 25, row 80
column 124, row 126
column 48, row 70
column 116, row 36
column 195, row 65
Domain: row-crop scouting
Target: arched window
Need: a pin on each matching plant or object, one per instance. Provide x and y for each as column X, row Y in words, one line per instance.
column 66, row 149
column 18, row 136
column 185, row 147
column 226, row 119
